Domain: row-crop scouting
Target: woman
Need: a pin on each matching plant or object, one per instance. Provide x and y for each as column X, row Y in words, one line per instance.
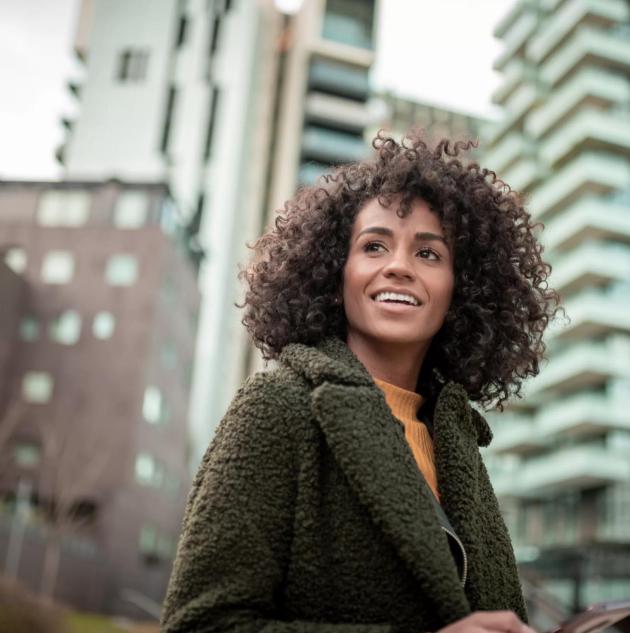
column 344, row 490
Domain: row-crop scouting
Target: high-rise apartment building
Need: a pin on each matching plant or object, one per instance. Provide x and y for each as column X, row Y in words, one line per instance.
column 99, row 314
column 560, row 457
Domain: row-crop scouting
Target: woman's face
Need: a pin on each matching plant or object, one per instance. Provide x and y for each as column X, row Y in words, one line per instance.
column 406, row 256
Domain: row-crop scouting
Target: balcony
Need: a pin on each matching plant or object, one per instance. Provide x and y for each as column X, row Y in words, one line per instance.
column 587, row 413
column 593, row 313
column 590, row 129
column 584, row 365
column 590, row 174
column 511, row 17
column 575, row 467
column 589, row 218
column 514, row 434
column 575, row 13
column 514, row 74
column 337, row 78
column 588, row 46
column 519, row 104
column 516, row 38
column 589, row 87
column 523, row 174
column 591, row 264
column 583, row 414
column 507, row 152
column 324, row 108
column 331, row 146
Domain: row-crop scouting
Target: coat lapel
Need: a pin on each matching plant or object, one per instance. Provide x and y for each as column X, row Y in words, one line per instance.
column 369, row 445
column 470, row 504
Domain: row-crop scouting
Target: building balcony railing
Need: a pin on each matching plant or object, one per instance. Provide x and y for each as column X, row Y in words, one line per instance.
column 587, row 175
column 587, row 413
column 583, row 365
column 514, row 74
column 587, row 46
column 507, row 152
column 589, row 128
column 589, row 86
column 593, row 313
column 516, row 38
column 571, row 468
column 338, row 78
column 591, row 264
column 514, row 434
column 590, row 218
column 519, row 104
column 331, row 146
column 523, row 174
column 325, row 108
column 574, row 14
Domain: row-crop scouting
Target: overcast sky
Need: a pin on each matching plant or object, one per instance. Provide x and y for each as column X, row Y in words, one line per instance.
column 437, row 51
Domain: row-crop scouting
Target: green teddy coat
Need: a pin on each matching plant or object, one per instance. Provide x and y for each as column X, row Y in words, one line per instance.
column 309, row 514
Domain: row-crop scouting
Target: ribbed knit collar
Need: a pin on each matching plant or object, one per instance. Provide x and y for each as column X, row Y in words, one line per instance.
column 403, row 403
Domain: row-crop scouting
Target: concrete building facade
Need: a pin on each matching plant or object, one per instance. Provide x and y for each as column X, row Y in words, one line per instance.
column 560, row 455
column 94, row 408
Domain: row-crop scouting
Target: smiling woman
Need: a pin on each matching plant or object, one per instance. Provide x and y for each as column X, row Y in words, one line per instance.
column 344, row 491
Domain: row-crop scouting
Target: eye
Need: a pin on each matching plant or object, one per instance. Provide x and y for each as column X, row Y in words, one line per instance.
column 428, row 253
column 372, row 247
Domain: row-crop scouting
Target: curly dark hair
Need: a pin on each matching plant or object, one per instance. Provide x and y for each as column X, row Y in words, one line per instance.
column 492, row 336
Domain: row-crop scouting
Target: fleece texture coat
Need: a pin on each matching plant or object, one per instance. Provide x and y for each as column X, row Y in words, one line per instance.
column 310, row 515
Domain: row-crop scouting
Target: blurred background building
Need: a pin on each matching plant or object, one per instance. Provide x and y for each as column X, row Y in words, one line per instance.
column 561, row 455
column 98, row 332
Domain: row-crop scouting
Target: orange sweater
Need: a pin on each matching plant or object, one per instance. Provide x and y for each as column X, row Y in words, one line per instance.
column 404, row 405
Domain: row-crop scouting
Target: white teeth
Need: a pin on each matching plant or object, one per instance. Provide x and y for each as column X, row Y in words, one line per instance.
column 394, row 296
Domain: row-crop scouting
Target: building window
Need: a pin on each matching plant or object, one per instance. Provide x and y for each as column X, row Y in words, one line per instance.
column 168, row 354
column 181, row 31
column 212, row 115
column 63, row 208
column 15, row 259
column 29, row 328
column 149, row 472
column 153, row 406
column 168, row 118
column 27, row 455
column 131, row 210
column 103, row 325
column 37, row 387
column 147, row 542
column 66, row 328
column 215, row 30
column 132, row 65
column 121, row 270
column 349, row 22
column 58, row 267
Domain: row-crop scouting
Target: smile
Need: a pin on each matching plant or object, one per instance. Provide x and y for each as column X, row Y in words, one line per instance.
column 396, row 298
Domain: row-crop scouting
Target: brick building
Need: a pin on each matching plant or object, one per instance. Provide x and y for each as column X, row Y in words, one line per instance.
column 97, row 349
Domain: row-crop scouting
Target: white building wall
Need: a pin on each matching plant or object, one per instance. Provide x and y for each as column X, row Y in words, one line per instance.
column 120, row 123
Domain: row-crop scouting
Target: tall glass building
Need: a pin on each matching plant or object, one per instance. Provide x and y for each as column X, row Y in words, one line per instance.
column 560, row 459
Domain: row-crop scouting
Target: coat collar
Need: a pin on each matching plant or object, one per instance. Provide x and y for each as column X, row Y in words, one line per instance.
column 331, row 360
column 371, row 449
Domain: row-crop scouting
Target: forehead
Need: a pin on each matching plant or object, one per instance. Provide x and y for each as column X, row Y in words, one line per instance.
column 420, row 217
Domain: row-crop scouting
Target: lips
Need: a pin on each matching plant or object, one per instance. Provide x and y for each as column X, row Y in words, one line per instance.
column 396, row 297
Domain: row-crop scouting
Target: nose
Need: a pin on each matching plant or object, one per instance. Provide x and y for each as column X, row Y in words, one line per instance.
column 399, row 265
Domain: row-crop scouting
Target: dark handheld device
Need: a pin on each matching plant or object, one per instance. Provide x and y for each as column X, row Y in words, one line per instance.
column 595, row 618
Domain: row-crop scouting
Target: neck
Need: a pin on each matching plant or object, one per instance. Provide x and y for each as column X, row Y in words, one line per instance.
column 396, row 364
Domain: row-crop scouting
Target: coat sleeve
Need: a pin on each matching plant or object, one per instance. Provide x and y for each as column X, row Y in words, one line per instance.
column 235, row 543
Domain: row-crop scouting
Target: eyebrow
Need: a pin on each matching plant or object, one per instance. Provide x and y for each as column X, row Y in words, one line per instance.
column 422, row 236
